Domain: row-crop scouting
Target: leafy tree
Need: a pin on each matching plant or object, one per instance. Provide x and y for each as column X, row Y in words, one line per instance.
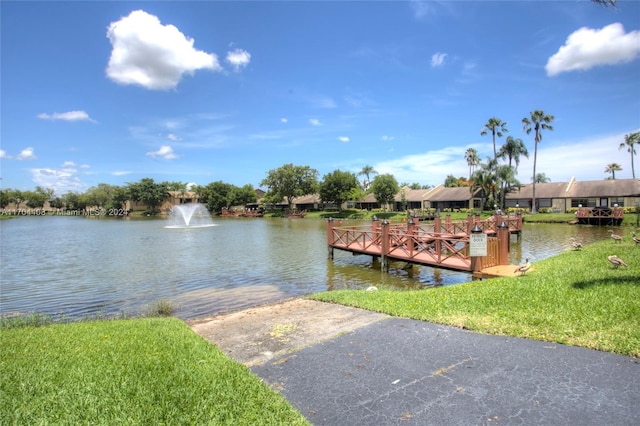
column 16, row 197
column 629, row 143
column 5, row 197
column 35, row 199
column 148, row 192
column 453, row 182
column 100, row 195
column 496, row 127
column 75, row 201
column 367, row 171
column 119, row 197
column 245, row 195
column 384, row 188
column 538, row 121
column 218, row 195
column 337, row 186
column 613, row 168
column 473, row 160
column 289, row 181
column 512, row 150
column 357, row 194
column 542, row 178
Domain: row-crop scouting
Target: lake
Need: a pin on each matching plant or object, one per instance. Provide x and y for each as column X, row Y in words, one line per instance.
column 77, row 266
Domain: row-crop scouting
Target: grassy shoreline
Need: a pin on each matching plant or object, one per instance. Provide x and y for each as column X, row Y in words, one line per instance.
column 576, row 298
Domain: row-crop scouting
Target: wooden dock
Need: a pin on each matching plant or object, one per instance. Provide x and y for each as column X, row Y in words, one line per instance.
column 442, row 244
column 600, row 216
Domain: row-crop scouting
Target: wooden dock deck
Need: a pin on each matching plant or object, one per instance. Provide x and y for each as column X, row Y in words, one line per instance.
column 441, row 244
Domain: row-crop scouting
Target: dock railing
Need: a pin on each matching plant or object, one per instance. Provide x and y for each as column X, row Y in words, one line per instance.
column 441, row 245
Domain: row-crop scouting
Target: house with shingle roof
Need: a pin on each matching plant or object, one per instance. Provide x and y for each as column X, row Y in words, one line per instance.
column 562, row 196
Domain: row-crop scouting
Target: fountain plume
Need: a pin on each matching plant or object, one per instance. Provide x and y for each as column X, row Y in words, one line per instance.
column 191, row 215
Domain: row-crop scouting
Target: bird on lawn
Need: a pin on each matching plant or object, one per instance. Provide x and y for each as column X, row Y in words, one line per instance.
column 523, row 268
column 616, row 261
column 577, row 245
column 617, row 238
column 634, row 238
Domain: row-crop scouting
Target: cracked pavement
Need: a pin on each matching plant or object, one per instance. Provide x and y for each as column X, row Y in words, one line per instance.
column 399, row 371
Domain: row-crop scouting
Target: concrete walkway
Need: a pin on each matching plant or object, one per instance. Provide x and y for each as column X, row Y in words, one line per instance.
column 393, row 371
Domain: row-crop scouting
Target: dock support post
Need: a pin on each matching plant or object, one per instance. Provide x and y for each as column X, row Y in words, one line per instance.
column 385, row 246
column 330, row 237
column 503, row 243
column 411, row 230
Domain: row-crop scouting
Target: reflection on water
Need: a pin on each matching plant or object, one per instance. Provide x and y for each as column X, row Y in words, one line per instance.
column 77, row 267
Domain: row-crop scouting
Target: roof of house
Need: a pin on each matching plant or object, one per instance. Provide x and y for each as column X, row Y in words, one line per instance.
column 411, row 194
column 461, row 193
column 575, row 189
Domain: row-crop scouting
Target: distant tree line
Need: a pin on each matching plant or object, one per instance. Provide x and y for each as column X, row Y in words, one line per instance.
column 289, row 181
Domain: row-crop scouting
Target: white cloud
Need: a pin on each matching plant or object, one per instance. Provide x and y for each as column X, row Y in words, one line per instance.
column 584, row 159
column 315, row 122
column 587, row 48
column 3, row 154
column 165, row 152
column 62, row 180
column 421, row 8
column 26, row 154
column 173, row 137
column 153, row 55
column 238, row 59
column 437, row 59
column 67, row 116
column 387, row 138
column 427, row 168
column 344, row 139
column 284, row 120
column 121, row 172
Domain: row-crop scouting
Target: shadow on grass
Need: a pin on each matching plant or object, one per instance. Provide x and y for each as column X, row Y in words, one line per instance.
column 627, row 279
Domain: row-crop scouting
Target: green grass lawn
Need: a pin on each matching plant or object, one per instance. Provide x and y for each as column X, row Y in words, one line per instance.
column 575, row 298
column 149, row 371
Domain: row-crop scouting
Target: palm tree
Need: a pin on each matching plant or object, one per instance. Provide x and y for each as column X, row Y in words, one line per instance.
column 613, row 168
column 496, row 126
column 512, row 150
column 538, row 121
column 473, row 160
column 484, row 179
column 507, row 178
column 542, row 178
column 629, row 142
column 367, row 171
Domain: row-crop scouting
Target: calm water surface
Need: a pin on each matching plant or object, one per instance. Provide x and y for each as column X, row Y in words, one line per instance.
column 77, row 266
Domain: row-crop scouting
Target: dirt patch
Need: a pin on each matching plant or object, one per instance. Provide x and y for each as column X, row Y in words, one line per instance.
column 255, row 335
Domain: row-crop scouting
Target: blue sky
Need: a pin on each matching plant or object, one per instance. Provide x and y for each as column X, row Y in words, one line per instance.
column 204, row 91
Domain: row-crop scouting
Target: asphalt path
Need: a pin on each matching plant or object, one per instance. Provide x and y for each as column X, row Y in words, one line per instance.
column 406, row 372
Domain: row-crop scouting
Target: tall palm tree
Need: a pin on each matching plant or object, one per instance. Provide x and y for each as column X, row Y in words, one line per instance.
column 613, row 168
column 367, row 171
column 538, row 121
column 473, row 160
column 512, row 150
column 629, row 142
column 495, row 126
